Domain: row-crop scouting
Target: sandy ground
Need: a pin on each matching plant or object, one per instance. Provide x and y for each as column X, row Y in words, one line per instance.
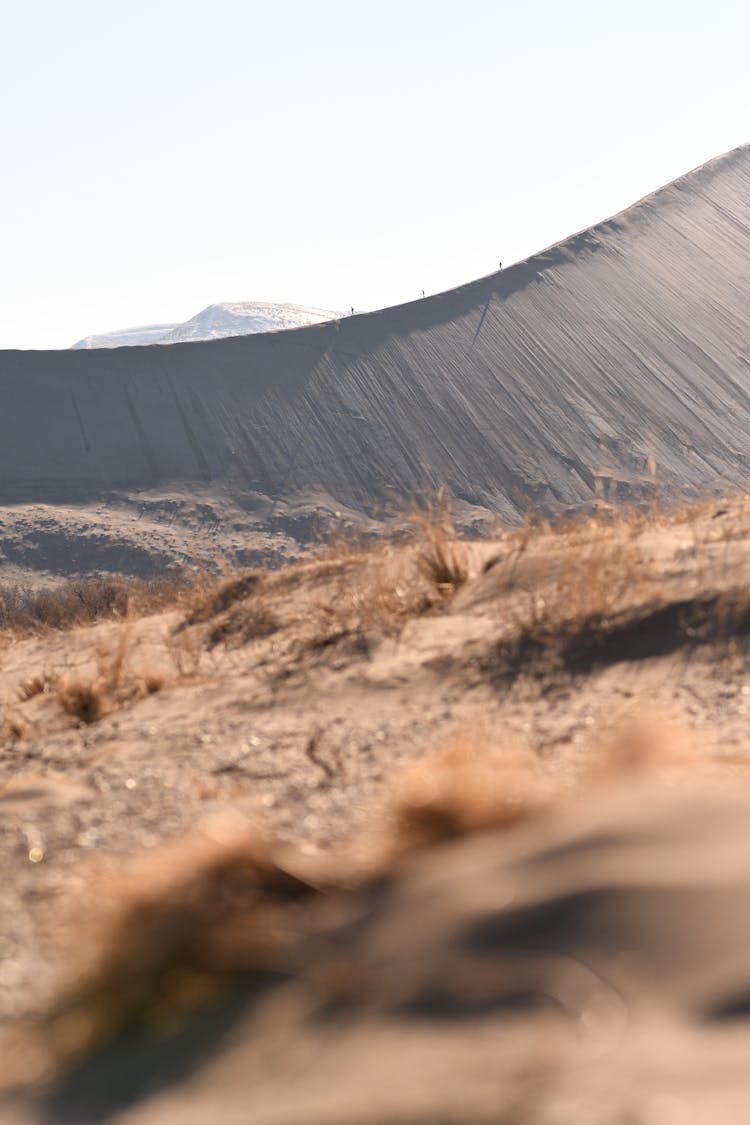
column 295, row 699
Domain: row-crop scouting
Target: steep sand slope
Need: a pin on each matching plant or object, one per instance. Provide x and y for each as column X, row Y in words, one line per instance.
column 534, row 386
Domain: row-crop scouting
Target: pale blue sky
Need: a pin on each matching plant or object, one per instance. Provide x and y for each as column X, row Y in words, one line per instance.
column 159, row 155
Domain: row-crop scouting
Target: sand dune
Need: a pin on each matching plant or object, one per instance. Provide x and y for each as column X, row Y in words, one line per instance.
column 619, row 350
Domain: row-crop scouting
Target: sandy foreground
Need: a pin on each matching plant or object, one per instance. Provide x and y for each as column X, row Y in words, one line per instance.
column 439, row 832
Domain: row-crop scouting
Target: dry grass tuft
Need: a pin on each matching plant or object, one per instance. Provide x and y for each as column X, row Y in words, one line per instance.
column 355, row 587
column 383, row 597
column 472, row 786
column 85, row 601
column 154, row 681
column 243, row 624
column 85, row 700
column 652, row 744
column 180, row 924
column 185, row 648
column 441, row 556
column 226, row 594
column 238, row 609
column 37, row 685
column 374, row 589
column 12, row 727
column 89, row 699
column 466, row 789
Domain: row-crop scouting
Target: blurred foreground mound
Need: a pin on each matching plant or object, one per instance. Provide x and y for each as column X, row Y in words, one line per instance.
column 511, row 953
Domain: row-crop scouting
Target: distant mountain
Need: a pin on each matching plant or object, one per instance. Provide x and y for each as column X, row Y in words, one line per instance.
column 228, row 318
column 127, row 337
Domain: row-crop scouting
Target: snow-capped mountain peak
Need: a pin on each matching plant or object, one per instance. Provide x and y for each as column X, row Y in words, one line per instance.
column 227, row 318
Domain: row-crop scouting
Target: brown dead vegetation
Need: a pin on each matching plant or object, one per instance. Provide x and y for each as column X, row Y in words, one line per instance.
column 586, row 591
column 173, row 930
column 324, row 599
column 441, row 557
column 89, row 699
column 256, row 620
column 604, row 562
column 223, row 597
column 469, row 787
column 86, row 701
column 12, row 727
column 25, row 611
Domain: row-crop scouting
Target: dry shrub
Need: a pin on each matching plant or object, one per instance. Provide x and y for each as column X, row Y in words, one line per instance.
column 185, row 647
column 229, row 591
column 153, row 681
column 594, row 577
column 652, row 743
column 89, row 699
column 443, row 563
column 312, row 572
column 344, row 542
column 378, row 600
column 473, row 786
column 352, row 586
column 244, row 624
column 567, row 585
column 181, row 923
column 467, row 788
column 37, row 685
column 318, row 601
column 585, row 571
column 88, row 600
column 198, row 913
column 85, row 700
column 12, row 727
column 564, row 637
column 378, row 588
column 234, row 610
column 441, row 557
